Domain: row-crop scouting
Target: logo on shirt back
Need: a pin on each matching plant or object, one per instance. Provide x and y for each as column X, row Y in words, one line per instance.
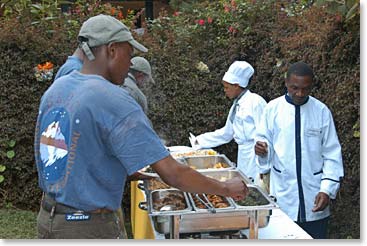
column 53, row 147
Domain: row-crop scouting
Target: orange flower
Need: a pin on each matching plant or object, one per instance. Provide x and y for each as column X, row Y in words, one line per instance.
column 113, row 11
column 45, row 66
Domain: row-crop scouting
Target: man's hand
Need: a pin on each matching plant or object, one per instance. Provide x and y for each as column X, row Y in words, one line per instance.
column 261, row 148
column 237, row 188
column 321, row 201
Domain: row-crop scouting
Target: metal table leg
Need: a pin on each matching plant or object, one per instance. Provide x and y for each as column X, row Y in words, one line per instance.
column 254, row 225
column 174, row 232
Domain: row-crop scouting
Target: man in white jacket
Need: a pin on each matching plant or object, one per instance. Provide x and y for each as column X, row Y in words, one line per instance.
column 298, row 144
column 242, row 120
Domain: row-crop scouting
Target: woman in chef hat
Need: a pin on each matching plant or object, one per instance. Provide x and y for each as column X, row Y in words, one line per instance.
column 243, row 117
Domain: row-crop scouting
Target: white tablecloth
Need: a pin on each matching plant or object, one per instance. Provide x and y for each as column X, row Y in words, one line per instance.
column 280, row 227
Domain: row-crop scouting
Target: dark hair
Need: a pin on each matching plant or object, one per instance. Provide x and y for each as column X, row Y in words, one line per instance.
column 300, row 69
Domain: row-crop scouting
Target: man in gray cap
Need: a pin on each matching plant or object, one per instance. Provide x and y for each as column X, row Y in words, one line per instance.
column 87, row 142
column 140, row 72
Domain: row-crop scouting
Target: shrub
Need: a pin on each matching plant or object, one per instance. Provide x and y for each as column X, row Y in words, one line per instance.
column 187, row 98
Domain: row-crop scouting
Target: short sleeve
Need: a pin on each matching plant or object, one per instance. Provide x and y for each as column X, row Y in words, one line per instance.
column 135, row 143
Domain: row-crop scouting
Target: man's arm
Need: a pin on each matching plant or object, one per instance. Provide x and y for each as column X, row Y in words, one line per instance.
column 189, row 180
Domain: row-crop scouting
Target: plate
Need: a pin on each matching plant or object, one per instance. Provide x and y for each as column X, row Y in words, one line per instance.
column 148, row 175
column 179, row 148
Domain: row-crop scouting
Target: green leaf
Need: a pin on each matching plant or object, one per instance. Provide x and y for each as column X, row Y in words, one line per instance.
column 1, row 178
column 12, row 143
column 37, row 6
column 2, row 168
column 10, row 154
column 352, row 12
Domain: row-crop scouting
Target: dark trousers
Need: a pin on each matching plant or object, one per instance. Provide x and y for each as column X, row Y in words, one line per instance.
column 97, row 226
column 317, row 229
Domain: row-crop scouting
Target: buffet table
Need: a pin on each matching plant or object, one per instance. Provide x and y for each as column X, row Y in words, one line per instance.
column 280, row 225
column 255, row 217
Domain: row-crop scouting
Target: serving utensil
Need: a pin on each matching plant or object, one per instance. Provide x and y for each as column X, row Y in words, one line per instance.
column 207, row 203
column 166, row 208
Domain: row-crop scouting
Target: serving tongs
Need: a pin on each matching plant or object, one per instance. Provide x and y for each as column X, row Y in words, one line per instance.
column 207, row 203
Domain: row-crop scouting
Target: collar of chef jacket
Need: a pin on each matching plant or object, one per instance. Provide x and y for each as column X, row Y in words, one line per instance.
column 289, row 100
column 235, row 103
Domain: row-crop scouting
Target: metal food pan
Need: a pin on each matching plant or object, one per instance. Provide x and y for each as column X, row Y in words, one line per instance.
column 173, row 197
column 209, row 222
column 256, row 199
column 149, row 171
column 224, row 175
column 155, row 184
column 209, row 162
column 196, row 203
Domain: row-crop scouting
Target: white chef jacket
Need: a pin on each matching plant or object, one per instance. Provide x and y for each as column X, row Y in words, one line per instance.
column 298, row 175
column 242, row 130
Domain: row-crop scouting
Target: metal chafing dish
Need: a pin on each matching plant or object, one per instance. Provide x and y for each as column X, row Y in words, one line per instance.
column 236, row 216
column 219, row 161
column 199, row 163
column 175, row 200
column 224, row 175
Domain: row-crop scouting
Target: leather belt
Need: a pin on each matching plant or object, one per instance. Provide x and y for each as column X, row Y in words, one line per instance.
column 49, row 204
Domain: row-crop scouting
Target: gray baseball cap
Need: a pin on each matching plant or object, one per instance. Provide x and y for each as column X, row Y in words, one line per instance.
column 104, row 29
column 142, row 65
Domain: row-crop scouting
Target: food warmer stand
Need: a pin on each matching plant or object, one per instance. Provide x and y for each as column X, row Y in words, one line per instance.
column 191, row 218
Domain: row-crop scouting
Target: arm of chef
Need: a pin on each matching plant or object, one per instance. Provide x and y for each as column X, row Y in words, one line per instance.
column 264, row 136
column 333, row 170
column 218, row 137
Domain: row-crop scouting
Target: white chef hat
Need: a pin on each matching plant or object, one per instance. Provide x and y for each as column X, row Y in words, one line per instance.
column 240, row 73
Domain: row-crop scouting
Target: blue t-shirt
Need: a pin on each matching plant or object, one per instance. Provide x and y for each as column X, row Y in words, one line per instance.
column 90, row 136
column 71, row 64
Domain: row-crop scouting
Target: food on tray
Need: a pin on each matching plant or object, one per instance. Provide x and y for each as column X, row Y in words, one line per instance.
column 215, row 200
column 218, row 201
column 220, row 165
column 175, row 199
column 254, row 198
column 156, row 184
column 216, row 166
column 194, row 153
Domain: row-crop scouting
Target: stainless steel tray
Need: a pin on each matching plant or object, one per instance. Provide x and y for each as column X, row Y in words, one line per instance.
column 203, row 222
column 193, row 219
column 156, row 183
column 149, row 172
column 223, row 175
column 199, row 206
column 218, row 162
column 170, row 197
column 256, row 199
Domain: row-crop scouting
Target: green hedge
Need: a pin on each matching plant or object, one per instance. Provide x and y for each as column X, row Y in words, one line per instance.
column 185, row 99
